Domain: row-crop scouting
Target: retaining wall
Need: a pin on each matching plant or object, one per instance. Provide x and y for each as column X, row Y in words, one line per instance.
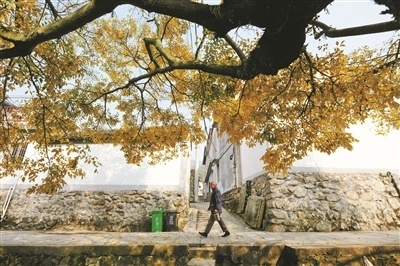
column 113, row 211
column 302, row 202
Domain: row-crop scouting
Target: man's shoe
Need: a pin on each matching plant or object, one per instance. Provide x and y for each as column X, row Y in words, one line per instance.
column 226, row 234
column 203, row 234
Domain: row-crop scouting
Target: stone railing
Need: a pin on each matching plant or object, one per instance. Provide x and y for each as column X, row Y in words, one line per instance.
column 302, row 202
column 114, row 211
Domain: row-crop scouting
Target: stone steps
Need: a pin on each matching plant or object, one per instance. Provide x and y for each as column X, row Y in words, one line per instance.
column 201, row 255
column 204, row 252
column 202, row 219
column 200, row 262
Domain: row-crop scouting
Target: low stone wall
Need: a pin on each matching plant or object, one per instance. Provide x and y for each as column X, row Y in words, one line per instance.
column 225, row 254
column 231, row 199
column 302, row 202
column 118, row 255
column 113, row 211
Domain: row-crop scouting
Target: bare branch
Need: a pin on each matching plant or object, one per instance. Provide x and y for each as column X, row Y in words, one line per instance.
column 52, row 9
column 236, row 48
column 203, row 38
column 158, row 45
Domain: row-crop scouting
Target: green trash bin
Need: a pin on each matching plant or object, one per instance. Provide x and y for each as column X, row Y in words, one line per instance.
column 157, row 220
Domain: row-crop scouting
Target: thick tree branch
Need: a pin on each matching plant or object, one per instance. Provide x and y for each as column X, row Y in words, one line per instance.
column 355, row 31
column 232, row 71
column 24, row 44
column 393, row 7
column 284, row 23
column 201, row 14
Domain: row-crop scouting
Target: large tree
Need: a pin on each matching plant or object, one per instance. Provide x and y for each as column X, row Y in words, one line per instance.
column 146, row 76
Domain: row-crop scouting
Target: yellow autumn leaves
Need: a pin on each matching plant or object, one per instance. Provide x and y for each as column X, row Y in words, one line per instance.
column 310, row 105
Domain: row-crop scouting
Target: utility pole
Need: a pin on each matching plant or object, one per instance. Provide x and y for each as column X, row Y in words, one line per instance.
column 237, row 168
column 196, row 176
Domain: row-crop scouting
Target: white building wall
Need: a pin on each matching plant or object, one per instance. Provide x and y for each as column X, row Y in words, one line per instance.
column 116, row 174
column 372, row 154
column 252, row 166
column 220, row 156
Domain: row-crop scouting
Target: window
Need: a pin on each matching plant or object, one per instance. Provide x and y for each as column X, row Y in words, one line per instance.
column 19, row 152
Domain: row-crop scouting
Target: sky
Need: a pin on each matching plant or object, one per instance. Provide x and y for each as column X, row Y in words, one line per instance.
column 345, row 13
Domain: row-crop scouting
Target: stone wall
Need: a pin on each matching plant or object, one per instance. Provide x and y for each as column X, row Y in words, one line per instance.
column 302, row 202
column 231, row 199
column 224, row 254
column 114, row 211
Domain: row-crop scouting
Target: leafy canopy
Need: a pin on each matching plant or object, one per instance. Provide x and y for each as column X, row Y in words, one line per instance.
column 148, row 81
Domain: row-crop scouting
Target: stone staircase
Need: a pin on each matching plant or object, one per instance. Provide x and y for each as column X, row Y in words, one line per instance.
column 201, row 255
column 202, row 219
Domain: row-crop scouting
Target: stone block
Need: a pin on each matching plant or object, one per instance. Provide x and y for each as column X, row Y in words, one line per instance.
column 394, row 203
column 323, row 226
column 254, row 213
column 300, row 192
column 242, row 201
column 244, row 194
column 279, row 214
column 230, row 199
column 275, row 228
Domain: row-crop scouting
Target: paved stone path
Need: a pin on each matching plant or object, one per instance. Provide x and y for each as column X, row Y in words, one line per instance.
column 335, row 239
column 201, row 215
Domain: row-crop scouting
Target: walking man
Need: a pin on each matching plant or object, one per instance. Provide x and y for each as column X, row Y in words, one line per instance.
column 216, row 210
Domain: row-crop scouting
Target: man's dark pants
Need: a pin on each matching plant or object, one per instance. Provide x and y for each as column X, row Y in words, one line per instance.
column 211, row 221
